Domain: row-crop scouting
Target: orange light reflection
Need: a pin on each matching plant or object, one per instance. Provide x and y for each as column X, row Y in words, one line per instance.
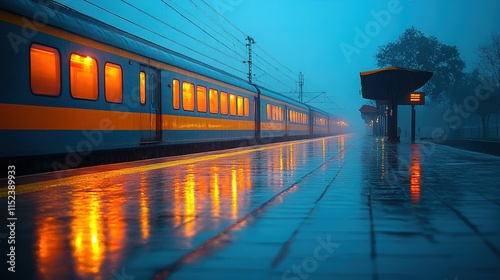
column 143, row 187
column 87, row 237
column 415, row 177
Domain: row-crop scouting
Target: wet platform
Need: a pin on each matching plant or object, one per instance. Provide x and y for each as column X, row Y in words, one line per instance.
column 344, row 207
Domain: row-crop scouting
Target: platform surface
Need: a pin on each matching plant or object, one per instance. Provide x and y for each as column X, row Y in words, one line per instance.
column 344, row 207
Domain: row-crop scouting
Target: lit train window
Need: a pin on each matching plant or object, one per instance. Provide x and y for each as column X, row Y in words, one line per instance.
column 240, row 106
column 273, row 112
column 214, row 101
column 113, row 83
column 201, row 98
column 45, row 70
column 187, row 96
column 142, row 87
column 83, row 77
column 246, row 106
column 280, row 114
column 232, row 104
column 223, row 103
column 176, row 95
column 268, row 111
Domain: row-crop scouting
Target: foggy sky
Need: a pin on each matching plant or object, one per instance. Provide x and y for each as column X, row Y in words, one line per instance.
column 329, row 41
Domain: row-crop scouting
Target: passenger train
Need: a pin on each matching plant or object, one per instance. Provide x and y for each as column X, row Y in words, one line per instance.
column 76, row 91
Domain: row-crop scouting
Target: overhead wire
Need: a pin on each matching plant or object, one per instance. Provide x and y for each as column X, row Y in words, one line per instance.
column 244, row 34
column 260, row 48
column 264, row 62
column 204, row 31
column 176, row 29
column 241, row 44
column 217, row 12
column 160, row 35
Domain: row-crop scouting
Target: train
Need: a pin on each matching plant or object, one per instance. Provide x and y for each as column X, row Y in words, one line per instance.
column 77, row 91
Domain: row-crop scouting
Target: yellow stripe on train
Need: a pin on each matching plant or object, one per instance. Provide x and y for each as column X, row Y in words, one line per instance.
column 29, row 117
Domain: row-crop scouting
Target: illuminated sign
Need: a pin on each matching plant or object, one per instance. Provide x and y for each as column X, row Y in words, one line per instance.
column 413, row 98
column 416, row 98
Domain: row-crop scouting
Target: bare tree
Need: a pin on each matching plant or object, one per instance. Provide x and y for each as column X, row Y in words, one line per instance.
column 489, row 58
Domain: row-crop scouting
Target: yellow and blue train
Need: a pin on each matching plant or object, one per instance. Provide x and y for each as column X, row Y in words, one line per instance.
column 76, row 91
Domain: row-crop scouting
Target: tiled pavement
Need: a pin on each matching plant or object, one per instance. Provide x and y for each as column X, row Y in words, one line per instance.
column 346, row 207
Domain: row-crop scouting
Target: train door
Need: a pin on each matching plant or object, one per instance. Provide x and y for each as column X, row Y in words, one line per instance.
column 151, row 121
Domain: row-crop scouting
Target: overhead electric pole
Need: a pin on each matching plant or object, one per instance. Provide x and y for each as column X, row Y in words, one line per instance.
column 249, row 45
column 301, row 83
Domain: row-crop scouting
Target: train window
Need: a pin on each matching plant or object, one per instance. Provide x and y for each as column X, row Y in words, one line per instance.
column 45, row 70
column 214, row 101
column 268, row 111
column 223, row 103
column 83, row 77
column 232, row 104
column 280, row 114
column 246, row 106
column 113, row 83
column 274, row 114
column 187, row 96
column 201, row 99
column 176, row 95
column 240, row 106
column 142, row 87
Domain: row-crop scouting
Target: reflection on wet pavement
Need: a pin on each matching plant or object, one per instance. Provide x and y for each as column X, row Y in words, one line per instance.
column 345, row 207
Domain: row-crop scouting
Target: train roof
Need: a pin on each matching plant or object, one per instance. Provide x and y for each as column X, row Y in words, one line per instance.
column 270, row 93
column 62, row 17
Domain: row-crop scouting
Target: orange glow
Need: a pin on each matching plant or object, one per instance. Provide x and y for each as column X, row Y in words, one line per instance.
column 142, row 87
column 201, row 98
column 281, row 159
column 232, row 104
column 187, row 96
column 214, row 191
column 234, row 194
column 415, row 177
column 190, row 204
column 415, row 97
column 223, row 103
column 214, row 101
column 113, row 83
column 143, row 187
column 240, row 106
column 83, row 77
column 87, row 236
column 176, row 95
column 268, row 111
column 49, row 246
column 45, row 70
column 115, row 223
column 246, row 106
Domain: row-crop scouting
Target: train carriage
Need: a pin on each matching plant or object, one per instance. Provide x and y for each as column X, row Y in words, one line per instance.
column 77, row 91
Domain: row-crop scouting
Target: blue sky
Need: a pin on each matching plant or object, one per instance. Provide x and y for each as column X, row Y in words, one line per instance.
column 320, row 38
